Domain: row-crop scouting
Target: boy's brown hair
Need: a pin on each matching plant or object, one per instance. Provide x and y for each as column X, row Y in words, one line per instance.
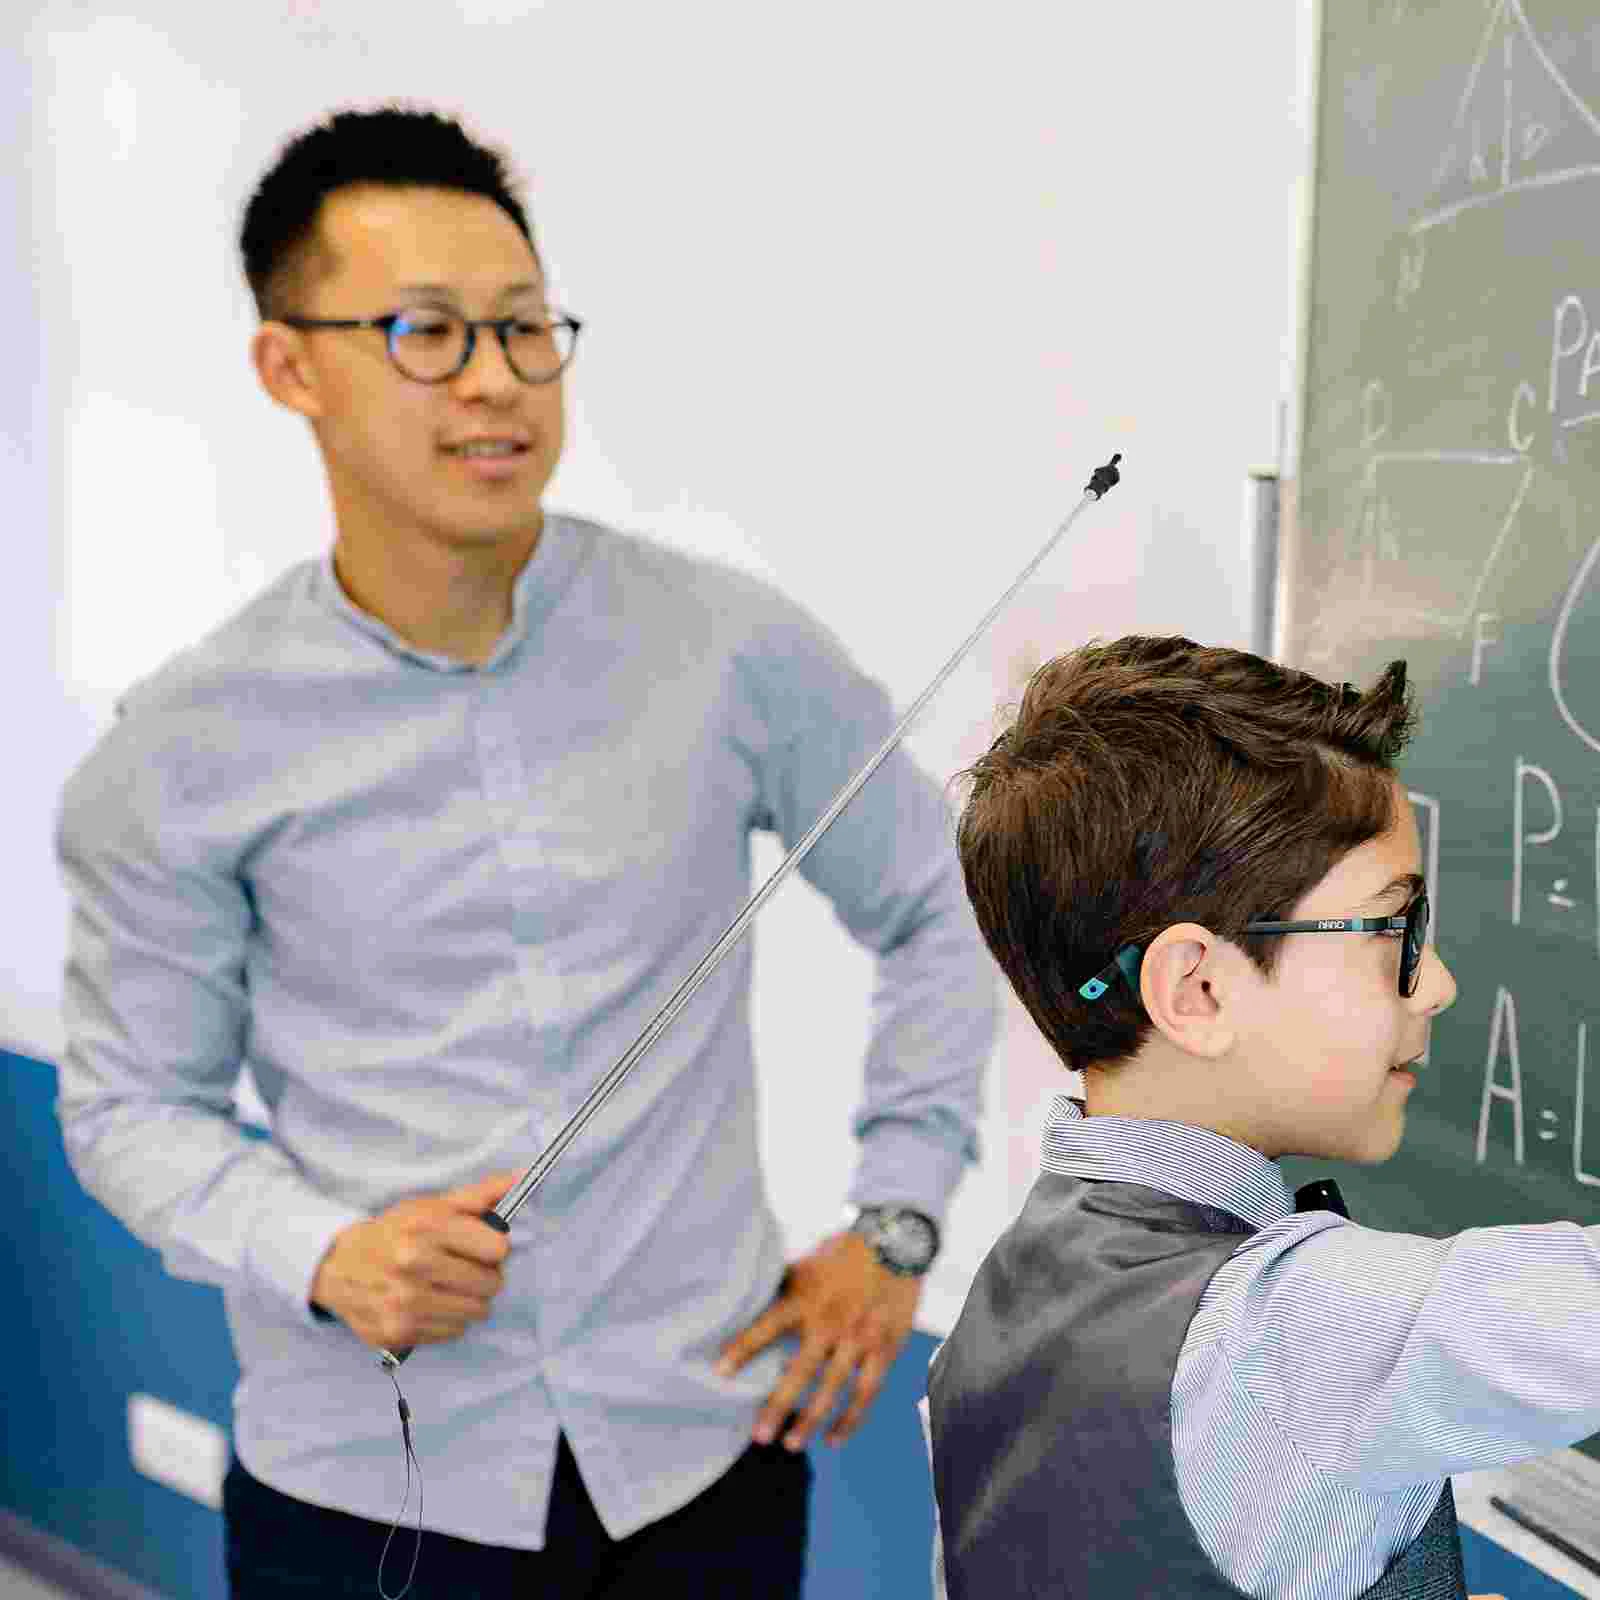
column 1152, row 781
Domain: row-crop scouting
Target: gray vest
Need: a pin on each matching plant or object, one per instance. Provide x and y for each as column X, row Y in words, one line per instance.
column 1050, row 1408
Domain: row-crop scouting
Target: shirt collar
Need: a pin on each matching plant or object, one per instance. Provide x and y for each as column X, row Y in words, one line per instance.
column 1195, row 1164
column 539, row 586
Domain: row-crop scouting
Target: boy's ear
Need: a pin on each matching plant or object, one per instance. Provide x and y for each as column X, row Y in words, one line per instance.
column 1178, row 983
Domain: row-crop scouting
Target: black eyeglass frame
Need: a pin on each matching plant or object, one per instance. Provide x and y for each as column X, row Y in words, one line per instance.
column 499, row 324
column 1414, row 920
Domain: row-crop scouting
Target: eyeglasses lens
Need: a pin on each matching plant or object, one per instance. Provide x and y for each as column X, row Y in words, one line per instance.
column 1417, row 916
column 428, row 345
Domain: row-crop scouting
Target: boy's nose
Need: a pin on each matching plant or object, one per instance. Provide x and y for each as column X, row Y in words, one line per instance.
column 1437, row 989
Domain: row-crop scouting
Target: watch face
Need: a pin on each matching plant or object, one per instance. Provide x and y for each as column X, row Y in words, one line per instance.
column 907, row 1238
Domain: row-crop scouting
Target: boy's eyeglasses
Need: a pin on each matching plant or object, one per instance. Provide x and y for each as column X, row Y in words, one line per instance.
column 1414, row 920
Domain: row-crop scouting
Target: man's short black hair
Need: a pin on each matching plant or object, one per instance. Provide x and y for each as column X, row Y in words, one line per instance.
column 284, row 258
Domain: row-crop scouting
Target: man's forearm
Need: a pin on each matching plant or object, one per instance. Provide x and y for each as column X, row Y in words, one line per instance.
column 935, row 1017
column 180, row 1179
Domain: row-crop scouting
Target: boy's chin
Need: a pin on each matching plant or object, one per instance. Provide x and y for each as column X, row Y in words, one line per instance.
column 1375, row 1158
column 1380, row 1150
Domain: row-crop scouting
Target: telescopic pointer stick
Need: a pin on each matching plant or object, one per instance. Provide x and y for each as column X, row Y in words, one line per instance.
column 500, row 1218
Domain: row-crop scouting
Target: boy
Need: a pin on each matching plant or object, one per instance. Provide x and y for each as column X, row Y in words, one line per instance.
column 1203, row 879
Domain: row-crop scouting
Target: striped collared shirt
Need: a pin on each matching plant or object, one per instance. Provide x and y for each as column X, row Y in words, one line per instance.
column 1334, row 1375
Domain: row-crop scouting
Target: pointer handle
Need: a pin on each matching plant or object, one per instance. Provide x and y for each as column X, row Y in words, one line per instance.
column 394, row 1358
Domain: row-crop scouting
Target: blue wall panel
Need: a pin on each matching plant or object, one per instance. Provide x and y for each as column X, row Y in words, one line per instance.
column 98, row 1320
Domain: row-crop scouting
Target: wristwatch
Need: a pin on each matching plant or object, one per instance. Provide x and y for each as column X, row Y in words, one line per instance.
column 905, row 1241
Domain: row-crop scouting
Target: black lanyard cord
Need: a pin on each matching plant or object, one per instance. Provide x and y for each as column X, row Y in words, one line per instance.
column 405, row 1431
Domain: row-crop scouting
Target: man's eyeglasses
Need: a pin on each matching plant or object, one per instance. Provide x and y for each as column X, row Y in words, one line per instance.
column 429, row 344
column 1414, row 920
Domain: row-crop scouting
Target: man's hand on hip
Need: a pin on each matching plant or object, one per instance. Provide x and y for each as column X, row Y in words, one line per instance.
column 852, row 1315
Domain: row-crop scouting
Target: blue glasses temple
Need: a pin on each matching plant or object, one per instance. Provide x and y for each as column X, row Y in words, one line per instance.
column 1127, row 960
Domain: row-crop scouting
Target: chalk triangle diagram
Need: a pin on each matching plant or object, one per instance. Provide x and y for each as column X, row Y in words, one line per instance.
column 1430, row 534
column 1519, row 124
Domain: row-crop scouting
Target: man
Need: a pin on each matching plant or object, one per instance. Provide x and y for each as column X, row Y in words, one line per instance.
column 426, row 834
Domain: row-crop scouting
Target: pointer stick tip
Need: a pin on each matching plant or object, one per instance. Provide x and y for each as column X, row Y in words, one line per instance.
column 1104, row 478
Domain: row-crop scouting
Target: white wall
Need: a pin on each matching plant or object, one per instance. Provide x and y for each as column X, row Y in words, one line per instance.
column 870, row 290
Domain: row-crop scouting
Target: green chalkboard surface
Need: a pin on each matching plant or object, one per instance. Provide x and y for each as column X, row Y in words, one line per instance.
column 1447, row 510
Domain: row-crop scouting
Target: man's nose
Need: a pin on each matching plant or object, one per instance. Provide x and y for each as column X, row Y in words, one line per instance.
column 488, row 360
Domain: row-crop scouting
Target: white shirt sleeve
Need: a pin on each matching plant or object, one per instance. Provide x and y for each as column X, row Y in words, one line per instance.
column 1387, row 1359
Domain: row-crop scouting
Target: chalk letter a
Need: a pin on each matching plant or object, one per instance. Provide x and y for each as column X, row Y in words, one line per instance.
column 1505, row 1017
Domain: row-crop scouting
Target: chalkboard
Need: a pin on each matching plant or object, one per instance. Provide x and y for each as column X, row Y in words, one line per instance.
column 1447, row 510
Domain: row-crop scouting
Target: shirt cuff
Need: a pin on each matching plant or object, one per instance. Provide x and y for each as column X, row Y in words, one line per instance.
column 902, row 1164
column 288, row 1247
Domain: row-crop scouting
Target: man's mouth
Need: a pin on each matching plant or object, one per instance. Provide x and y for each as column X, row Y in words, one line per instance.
column 491, row 466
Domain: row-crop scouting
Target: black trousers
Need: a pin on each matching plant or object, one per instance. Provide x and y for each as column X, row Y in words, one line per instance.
column 744, row 1537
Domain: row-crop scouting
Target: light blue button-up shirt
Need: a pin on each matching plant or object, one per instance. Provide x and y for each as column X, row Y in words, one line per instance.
column 430, row 905
column 1335, row 1375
